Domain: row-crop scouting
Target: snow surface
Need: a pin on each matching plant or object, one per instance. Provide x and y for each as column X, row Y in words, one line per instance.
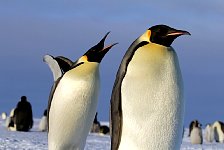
column 35, row 140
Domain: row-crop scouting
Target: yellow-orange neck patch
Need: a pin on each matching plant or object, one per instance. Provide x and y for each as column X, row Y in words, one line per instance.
column 84, row 59
column 149, row 34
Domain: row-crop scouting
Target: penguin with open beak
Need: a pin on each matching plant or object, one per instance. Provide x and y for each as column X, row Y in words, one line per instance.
column 147, row 106
column 74, row 101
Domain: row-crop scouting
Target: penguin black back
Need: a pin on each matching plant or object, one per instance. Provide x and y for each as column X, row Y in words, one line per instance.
column 23, row 115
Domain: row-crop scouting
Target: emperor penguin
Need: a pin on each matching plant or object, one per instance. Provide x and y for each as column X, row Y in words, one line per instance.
column 43, row 122
column 96, row 125
column 4, row 115
column 147, row 106
column 23, row 115
column 74, row 101
column 209, row 133
column 192, row 124
column 218, row 128
column 196, row 133
column 10, row 121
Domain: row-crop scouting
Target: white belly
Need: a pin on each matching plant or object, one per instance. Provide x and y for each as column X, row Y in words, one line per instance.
column 209, row 134
column 152, row 103
column 72, row 111
column 196, row 136
column 43, row 124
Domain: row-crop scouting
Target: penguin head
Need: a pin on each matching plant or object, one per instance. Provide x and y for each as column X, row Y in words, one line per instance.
column 23, row 99
column 97, row 52
column 164, row 35
column 196, row 123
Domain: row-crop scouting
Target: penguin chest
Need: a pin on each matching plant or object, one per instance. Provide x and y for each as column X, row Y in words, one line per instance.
column 151, row 100
column 196, row 136
column 73, row 108
column 43, row 124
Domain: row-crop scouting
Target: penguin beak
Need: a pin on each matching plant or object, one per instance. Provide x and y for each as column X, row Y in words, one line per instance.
column 100, row 45
column 176, row 33
column 97, row 52
column 106, row 49
column 101, row 53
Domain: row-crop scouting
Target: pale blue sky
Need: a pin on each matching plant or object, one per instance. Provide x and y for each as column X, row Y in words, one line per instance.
column 30, row 29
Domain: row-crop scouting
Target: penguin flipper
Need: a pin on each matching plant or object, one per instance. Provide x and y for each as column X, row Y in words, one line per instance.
column 53, row 65
column 50, row 98
column 116, row 115
column 115, row 103
column 116, row 107
column 64, row 63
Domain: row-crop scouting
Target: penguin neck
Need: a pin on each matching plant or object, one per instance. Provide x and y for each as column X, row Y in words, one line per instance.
column 84, row 70
column 152, row 53
column 146, row 38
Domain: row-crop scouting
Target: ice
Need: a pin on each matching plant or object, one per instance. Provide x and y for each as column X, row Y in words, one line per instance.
column 35, row 140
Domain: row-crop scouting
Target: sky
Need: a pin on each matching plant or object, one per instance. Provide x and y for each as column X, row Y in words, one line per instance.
column 30, row 29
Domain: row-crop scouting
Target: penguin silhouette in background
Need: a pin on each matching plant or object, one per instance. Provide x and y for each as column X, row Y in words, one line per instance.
column 73, row 101
column 23, row 115
column 147, row 106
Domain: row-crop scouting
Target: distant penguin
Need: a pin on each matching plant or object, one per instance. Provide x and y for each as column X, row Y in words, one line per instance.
column 23, row 115
column 74, row 101
column 96, row 125
column 209, row 133
column 4, row 116
column 192, row 125
column 10, row 121
column 196, row 133
column 43, row 122
column 147, row 106
column 11, row 114
column 104, row 129
column 218, row 128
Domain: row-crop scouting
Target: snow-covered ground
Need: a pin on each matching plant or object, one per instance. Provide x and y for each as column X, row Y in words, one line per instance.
column 36, row 140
